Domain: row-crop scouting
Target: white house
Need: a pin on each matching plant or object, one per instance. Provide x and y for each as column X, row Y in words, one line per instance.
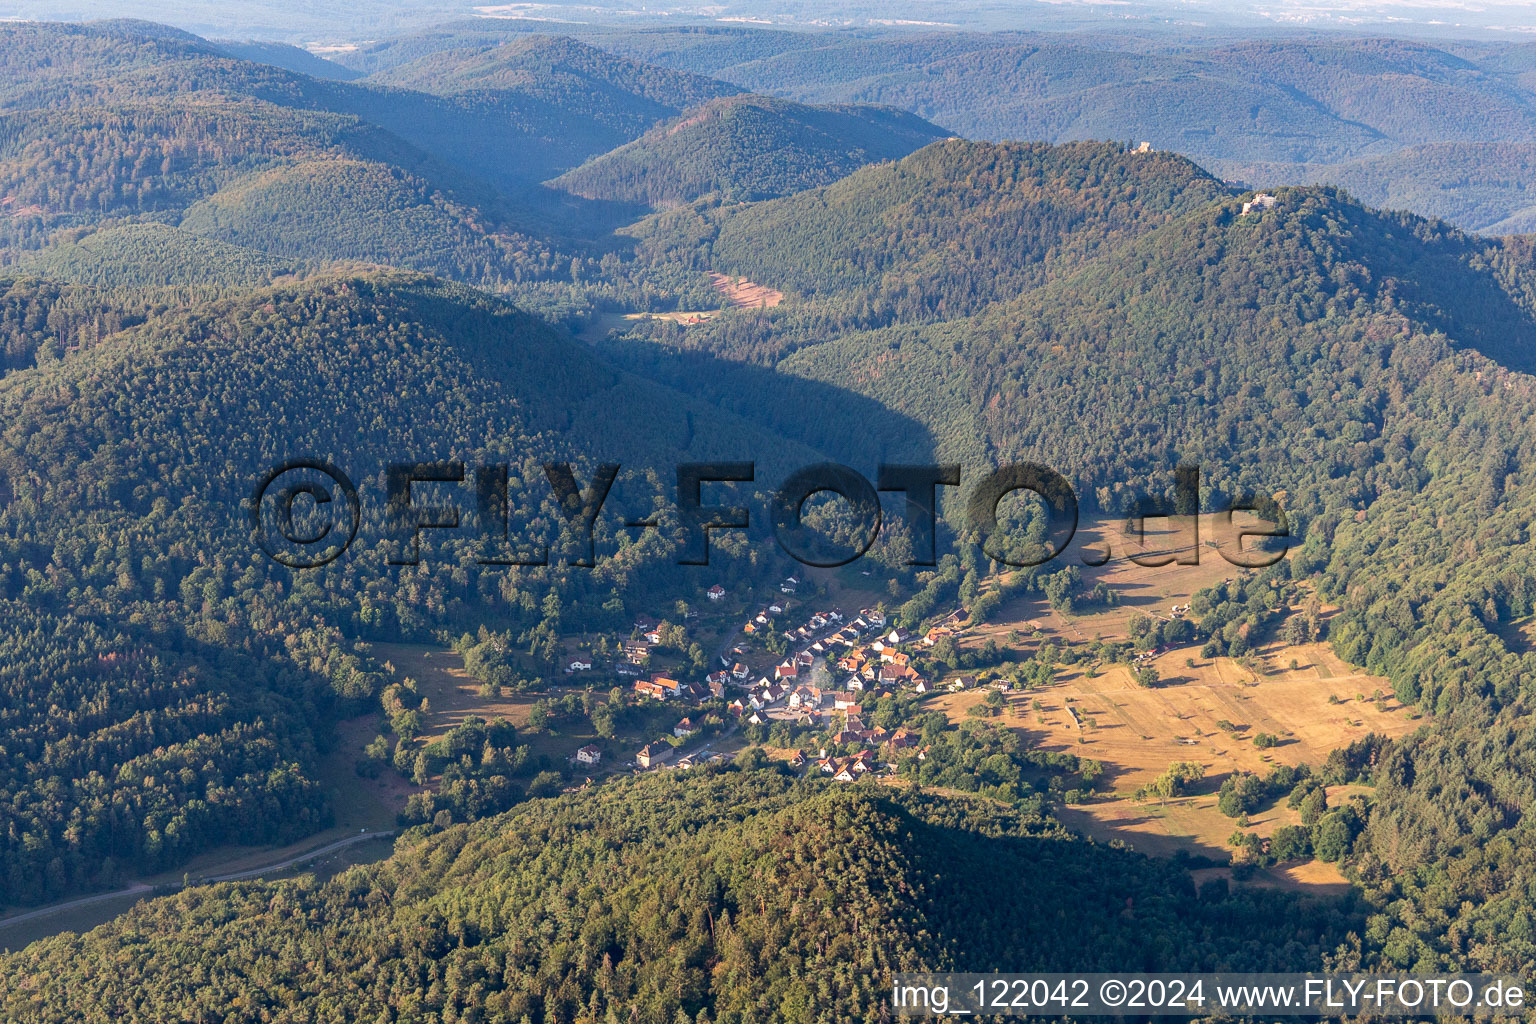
column 653, row 754
column 1262, row 201
column 716, row 592
column 589, row 754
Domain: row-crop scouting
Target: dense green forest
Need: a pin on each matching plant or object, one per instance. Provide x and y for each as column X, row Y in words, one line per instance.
column 951, row 228
column 127, row 512
column 733, row 896
column 217, row 258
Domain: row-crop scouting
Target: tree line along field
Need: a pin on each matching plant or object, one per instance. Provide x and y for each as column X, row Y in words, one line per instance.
column 455, row 696
column 1137, row 732
column 1139, row 589
column 1206, row 710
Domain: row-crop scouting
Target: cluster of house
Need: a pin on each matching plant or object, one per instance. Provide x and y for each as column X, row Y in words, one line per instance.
column 663, row 687
column 632, row 658
column 850, row 767
column 803, row 702
column 652, row 755
column 763, row 620
column 820, row 622
column 660, row 753
column 847, row 769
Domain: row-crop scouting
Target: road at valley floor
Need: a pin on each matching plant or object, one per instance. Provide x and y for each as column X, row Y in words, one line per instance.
column 143, row 888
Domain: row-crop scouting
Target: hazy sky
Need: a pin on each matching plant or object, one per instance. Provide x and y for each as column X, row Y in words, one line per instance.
column 340, row 20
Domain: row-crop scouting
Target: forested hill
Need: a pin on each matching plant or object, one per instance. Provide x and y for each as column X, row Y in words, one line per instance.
column 727, row 897
column 153, row 121
column 743, row 148
column 563, row 100
column 107, row 126
column 1371, row 371
column 284, row 56
column 1353, row 360
column 700, row 48
column 555, row 67
column 197, row 672
column 942, row 232
column 155, row 255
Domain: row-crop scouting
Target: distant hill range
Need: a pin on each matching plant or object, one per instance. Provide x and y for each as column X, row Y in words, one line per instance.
column 1362, row 113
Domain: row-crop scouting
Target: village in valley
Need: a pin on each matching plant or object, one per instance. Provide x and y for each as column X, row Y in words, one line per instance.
column 1088, row 690
column 834, row 663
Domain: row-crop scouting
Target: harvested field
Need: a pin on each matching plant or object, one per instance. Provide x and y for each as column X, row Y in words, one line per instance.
column 1142, row 589
column 1207, row 710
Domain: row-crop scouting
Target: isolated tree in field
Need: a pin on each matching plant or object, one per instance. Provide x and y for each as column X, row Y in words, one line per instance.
column 1178, row 778
column 1241, row 794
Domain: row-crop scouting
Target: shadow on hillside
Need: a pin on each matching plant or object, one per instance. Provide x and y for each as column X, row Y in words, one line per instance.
column 843, row 425
column 1447, row 283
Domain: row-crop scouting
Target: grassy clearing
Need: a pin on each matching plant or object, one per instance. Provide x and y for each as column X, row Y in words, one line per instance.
column 1208, row 714
column 453, row 695
column 1207, row 710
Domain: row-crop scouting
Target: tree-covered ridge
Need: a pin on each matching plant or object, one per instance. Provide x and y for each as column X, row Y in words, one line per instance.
column 725, row 896
column 81, row 166
column 154, row 255
column 561, row 94
column 1405, row 91
column 129, row 748
column 1432, row 179
column 124, row 503
column 37, row 59
column 50, row 318
column 362, row 369
column 528, row 116
column 555, row 66
column 701, row 49
column 68, row 170
column 339, row 209
column 272, row 161
column 943, row 232
column 291, row 58
column 746, row 148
